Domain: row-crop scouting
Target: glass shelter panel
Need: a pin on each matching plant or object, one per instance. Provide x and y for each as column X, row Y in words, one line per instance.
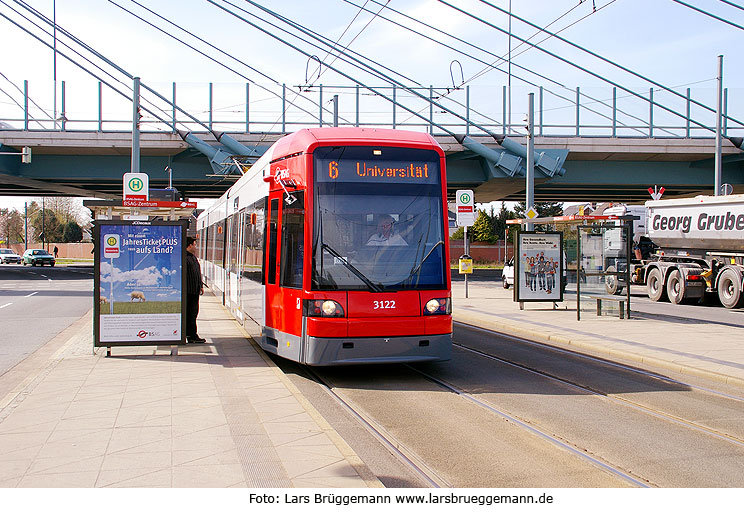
column 602, row 261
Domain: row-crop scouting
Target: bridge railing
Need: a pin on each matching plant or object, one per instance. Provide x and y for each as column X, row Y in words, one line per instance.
column 247, row 108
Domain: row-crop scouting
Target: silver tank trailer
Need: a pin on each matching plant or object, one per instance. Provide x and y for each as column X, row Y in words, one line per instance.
column 710, row 223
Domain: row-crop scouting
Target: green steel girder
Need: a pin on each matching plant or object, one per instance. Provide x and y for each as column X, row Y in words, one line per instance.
column 594, row 180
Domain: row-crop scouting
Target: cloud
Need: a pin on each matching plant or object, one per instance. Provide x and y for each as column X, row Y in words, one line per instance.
column 147, row 276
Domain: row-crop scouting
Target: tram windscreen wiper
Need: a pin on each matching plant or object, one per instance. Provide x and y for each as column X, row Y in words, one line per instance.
column 418, row 267
column 374, row 287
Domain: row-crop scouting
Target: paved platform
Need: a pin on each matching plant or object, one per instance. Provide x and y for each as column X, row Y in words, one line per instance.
column 694, row 347
column 217, row 415
column 222, row 415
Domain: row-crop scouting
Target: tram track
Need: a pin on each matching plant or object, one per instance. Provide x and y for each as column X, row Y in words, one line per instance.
column 407, row 457
column 739, row 441
column 597, row 462
column 637, row 427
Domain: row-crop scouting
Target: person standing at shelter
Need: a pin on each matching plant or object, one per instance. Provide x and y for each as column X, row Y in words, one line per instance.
column 194, row 289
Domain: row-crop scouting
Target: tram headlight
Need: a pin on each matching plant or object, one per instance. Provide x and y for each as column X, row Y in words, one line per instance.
column 437, row 306
column 323, row 309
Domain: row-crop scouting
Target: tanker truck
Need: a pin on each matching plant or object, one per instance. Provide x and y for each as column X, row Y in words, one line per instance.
column 698, row 247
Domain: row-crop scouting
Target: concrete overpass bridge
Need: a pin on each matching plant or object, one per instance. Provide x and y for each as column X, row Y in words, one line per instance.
column 598, row 152
column 91, row 163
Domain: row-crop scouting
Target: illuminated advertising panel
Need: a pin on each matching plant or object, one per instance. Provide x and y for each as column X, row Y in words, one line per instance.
column 538, row 267
column 139, row 280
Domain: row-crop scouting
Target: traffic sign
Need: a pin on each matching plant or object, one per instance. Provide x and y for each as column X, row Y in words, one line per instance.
column 136, row 186
column 531, row 213
column 656, row 192
column 465, row 207
column 111, row 245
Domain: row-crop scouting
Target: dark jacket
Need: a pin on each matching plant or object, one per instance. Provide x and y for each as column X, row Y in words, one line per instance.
column 193, row 275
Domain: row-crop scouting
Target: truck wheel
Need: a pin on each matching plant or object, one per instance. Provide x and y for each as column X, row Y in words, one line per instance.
column 675, row 287
column 729, row 289
column 612, row 282
column 655, row 286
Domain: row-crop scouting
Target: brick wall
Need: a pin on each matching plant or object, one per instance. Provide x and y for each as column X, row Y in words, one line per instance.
column 66, row 249
column 481, row 251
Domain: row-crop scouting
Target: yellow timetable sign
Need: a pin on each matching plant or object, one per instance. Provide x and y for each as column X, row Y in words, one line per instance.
column 466, row 265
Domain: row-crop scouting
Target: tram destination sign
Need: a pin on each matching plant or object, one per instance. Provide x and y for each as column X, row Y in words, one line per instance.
column 377, row 171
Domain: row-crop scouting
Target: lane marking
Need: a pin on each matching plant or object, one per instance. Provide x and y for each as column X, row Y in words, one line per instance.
column 3, row 306
column 29, row 295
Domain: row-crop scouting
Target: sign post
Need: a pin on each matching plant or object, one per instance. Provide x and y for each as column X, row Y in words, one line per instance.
column 465, row 218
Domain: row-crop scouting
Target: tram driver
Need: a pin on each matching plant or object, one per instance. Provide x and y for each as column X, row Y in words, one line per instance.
column 385, row 234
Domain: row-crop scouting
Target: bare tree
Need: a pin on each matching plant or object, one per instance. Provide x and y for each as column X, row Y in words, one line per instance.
column 11, row 226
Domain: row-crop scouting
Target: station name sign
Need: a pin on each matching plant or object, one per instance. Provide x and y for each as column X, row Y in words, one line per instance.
column 159, row 204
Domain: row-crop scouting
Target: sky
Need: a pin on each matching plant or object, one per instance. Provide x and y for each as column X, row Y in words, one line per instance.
column 661, row 39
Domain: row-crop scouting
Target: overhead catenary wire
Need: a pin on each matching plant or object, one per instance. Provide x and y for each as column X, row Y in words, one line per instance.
column 348, row 45
column 66, row 33
column 594, row 74
column 593, row 54
column 23, row 93
column 706, row 13
column 526, row 81
column 90, row 49
column 594, row 11
column 275, row 94
column 349, row 77
column 732, row 4
column 327, row 42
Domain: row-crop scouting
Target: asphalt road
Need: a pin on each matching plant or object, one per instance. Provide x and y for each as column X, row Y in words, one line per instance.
column 657, row 432
column 36, row 304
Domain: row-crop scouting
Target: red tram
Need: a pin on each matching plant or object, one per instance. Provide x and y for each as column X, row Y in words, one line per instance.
column 335, row 243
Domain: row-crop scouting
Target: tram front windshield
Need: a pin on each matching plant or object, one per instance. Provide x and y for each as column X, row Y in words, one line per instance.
column 378, row 221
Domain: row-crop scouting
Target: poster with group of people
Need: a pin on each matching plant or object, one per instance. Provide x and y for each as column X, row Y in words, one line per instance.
column 539, row 269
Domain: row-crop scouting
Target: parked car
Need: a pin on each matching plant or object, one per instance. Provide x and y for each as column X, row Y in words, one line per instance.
column 7, row 256
column 507, row 275
column 38, row 257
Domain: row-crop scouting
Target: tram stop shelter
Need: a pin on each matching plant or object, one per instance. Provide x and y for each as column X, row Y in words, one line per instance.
column 597, row 251
column 140, row 272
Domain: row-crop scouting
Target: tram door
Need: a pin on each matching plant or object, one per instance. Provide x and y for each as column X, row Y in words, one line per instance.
column 272, row 304
column 284, row 271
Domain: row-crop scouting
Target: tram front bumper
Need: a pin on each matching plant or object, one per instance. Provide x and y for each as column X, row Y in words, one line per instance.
column 370, row 350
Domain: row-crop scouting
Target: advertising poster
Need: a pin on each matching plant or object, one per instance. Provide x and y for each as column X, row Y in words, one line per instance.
column 538, row 271
column 139, row 279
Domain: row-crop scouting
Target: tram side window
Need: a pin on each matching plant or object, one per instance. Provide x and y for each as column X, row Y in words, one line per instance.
column 293, row 230
column 234, row 251
column 252, row 258
column 219, row 243
column 271, row 261
column 212, row 251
